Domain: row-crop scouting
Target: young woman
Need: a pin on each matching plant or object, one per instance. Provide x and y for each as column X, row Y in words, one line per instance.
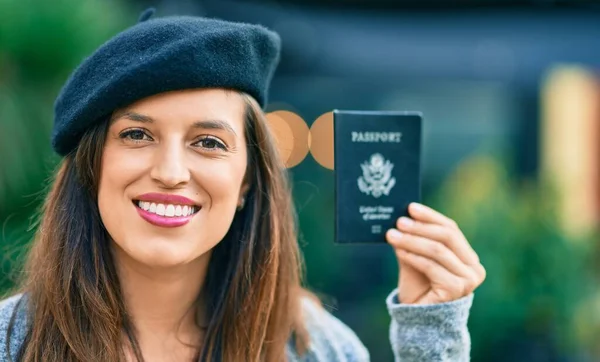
column 169, row 232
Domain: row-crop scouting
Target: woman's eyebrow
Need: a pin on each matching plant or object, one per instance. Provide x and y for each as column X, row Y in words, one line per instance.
column 204, row 124
column 215, row 124
column 134, row 117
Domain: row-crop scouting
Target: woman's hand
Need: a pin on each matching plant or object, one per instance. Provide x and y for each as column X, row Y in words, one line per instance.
column 437, row 262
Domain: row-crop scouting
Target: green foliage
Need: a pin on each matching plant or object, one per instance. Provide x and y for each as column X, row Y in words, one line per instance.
column 40, row 44
column 538, row 278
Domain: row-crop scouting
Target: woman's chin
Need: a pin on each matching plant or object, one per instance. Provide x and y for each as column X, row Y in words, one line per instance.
column 162, row 261
column 163, row 254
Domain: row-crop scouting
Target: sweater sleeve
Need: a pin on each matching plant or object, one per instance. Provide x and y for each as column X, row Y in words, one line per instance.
column 430, row 332
column 423, row 333
column 7, row 308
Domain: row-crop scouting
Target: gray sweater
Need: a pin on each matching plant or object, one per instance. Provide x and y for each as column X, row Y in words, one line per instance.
column 417, row 333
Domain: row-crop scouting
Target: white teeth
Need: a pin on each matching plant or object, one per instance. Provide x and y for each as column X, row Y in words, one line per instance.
column 144, row 205
column 168, row 210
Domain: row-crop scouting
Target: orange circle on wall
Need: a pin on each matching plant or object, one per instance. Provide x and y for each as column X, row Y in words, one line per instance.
column 292, row 133
column 284, row 138
column 321, row 140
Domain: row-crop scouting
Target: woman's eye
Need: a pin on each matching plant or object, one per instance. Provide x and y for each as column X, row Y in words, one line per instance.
column 135, row 135
column 211, row 143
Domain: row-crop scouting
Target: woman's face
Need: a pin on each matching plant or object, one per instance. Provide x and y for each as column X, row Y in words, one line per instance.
column 172, row 175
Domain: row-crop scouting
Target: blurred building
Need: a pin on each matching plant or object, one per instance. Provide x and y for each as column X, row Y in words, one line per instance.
column 478, row 70
column 571, row 144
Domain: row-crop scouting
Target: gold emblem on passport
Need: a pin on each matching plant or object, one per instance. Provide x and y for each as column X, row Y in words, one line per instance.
column 376, row 179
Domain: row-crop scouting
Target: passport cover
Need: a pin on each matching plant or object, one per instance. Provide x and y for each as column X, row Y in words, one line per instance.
column 377, row 166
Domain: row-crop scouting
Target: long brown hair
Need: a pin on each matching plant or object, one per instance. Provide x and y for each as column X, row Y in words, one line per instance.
column 75, row 305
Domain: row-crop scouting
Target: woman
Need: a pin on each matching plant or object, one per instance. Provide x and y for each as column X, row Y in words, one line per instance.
column 168, row 233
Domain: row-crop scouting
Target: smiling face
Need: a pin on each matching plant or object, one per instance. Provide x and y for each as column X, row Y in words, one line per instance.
column 172, row 175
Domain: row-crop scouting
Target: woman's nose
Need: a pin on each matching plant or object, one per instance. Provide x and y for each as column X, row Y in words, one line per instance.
column 170, row 167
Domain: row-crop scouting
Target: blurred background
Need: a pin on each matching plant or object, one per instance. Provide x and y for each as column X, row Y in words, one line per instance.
column 511, row 103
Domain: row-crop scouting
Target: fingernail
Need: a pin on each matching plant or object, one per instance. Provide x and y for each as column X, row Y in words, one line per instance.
column 418, row 207
column 406, row 221
column 395, row 234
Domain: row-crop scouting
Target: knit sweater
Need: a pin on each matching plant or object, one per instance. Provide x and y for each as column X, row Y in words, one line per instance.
column 417, row 333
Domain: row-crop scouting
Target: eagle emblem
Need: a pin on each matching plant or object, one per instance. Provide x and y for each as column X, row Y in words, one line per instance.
column 376, row 179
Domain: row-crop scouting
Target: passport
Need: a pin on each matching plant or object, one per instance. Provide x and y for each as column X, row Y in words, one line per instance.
column 377, row 167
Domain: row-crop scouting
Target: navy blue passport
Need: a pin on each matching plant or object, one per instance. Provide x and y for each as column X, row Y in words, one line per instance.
column 377, row 166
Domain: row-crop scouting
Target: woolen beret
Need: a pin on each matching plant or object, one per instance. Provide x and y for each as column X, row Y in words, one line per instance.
column 159, row 55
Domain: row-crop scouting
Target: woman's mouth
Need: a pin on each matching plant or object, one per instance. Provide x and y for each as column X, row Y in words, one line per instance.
column 165, row 215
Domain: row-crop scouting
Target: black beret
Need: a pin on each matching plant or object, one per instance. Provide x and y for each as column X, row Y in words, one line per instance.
column 160, row 55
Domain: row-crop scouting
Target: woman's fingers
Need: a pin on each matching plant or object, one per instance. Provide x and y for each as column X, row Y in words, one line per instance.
column 451, row 237
column 445, row 285
column 428, row 215
column 434, row 246
column 430, row 249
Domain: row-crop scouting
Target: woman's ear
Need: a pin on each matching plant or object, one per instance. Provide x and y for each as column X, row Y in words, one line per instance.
column 244, row 189
column 242, row 198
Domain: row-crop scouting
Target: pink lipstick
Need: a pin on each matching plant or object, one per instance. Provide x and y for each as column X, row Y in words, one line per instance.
column 166, row 210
